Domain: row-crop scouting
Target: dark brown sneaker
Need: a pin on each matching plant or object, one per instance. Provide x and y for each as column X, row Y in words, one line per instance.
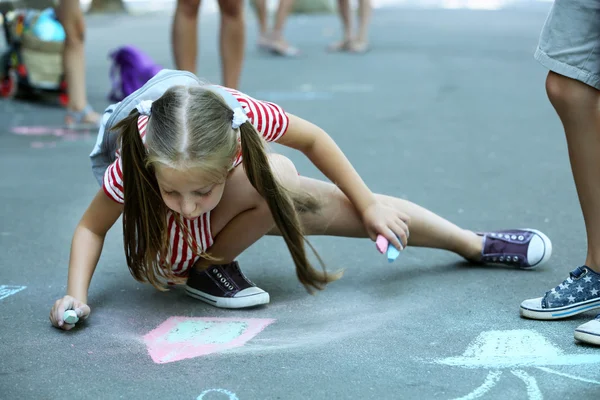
column 225, row 286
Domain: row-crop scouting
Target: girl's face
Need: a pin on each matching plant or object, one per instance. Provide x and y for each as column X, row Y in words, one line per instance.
column 188, row 192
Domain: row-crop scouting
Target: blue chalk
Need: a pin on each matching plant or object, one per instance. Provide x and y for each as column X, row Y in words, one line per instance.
column 392, row 253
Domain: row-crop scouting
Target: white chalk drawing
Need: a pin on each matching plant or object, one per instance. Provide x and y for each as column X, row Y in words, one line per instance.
column 231, row 395
column 515, row 350
column 8, row 290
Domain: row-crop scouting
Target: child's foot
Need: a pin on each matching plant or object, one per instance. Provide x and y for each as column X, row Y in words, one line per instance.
column 344, row 45
column 359, row 47
column 589, row 332
column 524, row 248
column 225, row 286
column 283, row 48
column 84, row 119
column 578, row 293
column 263, row 43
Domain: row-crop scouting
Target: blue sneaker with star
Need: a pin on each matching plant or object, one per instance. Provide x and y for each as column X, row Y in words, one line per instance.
column 589, row 332
column 578, row 293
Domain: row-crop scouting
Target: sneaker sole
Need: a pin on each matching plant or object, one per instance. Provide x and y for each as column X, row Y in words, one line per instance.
column 559, row 313
column 229, row 302
column 587, row 337
column 547, row 248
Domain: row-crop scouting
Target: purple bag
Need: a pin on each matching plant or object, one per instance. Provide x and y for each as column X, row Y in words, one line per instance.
column 131, row 69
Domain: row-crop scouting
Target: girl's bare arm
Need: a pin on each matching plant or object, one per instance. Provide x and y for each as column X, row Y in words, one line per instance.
column 87, row 243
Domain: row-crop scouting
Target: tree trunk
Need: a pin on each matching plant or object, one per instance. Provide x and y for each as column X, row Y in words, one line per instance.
column 110, row 6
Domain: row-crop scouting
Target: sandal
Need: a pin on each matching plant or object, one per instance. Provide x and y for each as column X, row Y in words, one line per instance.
column 359, row 47
column 345, row 45
column 287, row 51
column 278, row 48
column 84, row 119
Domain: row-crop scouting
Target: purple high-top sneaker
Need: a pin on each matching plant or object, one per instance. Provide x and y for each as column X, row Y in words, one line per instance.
column 524, row 248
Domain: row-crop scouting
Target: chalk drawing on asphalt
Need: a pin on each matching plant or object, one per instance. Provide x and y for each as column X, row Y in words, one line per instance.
column 8, row 290
column 64, row 134
column 515, row 350
column 231, row 395
column 179, row 338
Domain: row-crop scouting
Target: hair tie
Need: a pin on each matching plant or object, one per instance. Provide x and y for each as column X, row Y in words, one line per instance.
column 239, row 117
column 144, row 107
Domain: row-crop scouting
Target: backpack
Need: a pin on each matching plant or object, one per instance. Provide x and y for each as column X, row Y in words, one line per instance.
column 131, row 69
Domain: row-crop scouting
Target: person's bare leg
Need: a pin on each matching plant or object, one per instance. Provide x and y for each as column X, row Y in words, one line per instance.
column 338, row 217
column 243, row 216
column 261, row 15
column 361, row 42
column 232, row 41
column 184, row 35
column 70, row 16
column 346, row 17
column 578, row 106
column 277, row 39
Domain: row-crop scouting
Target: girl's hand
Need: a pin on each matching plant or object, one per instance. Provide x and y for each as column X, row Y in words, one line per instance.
column 380, row 219
column 64, row 304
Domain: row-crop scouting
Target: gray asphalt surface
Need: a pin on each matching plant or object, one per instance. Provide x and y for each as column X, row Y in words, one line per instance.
column 450, row 101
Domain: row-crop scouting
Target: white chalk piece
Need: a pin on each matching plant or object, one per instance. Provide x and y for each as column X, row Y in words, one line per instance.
column 70, row 317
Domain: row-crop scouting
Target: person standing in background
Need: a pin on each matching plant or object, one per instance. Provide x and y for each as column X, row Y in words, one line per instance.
column 79, row 113
column 349, row 42
column 274, row 41
column 232, row 38
column 568, row 48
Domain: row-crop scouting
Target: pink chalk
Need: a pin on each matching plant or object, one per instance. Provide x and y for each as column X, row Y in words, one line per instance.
column 382, row 244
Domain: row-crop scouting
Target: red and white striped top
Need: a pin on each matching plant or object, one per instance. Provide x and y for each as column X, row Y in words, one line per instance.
column 268, row 118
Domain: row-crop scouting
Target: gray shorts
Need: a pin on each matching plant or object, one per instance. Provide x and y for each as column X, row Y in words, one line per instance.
column 570, row 40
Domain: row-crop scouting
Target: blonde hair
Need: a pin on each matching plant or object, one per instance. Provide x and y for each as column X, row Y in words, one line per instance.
column 191, row 127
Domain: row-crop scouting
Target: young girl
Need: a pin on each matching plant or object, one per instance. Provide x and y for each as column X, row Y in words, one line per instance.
column 196, row 187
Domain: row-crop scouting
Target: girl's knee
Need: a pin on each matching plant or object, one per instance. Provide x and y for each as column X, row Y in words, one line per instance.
column 285, row 171
column 565, row 93
column 74, row 31
column 74, row 37
column 189, row 7
column 232, row 8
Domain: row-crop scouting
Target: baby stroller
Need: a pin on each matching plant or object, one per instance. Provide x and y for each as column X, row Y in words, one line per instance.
column 32, row 63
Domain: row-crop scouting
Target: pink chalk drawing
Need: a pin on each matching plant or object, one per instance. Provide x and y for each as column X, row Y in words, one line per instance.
column 179, row 338
column 41, row 145
column 64, row 134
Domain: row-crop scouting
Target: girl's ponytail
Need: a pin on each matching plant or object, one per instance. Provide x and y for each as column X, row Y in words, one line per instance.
column 283, row 208
column 144, row 213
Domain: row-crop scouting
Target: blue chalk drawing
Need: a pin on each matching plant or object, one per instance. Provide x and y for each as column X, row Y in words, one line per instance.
column 8, row 290
column 206, row 332
column 231, row 395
